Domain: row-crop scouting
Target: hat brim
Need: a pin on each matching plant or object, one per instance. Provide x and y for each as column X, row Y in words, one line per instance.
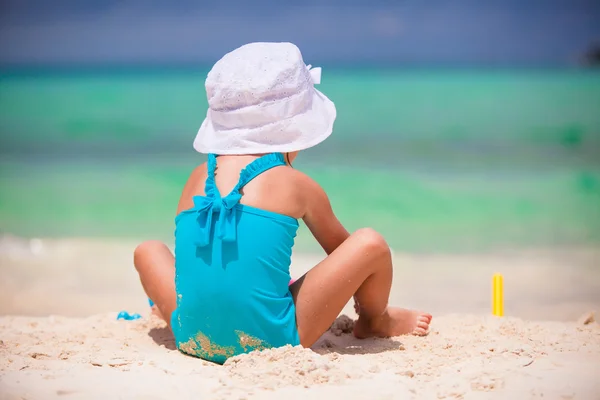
column 299, row 132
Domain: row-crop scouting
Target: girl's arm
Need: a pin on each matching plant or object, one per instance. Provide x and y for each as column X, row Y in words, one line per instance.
column 322, row 222
column 320, row 219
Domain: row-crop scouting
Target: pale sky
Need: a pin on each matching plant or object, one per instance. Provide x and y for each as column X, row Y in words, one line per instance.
column 462, row 32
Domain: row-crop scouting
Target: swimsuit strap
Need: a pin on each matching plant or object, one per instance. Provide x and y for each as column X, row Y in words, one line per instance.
column 257, row 167
column 210, row 187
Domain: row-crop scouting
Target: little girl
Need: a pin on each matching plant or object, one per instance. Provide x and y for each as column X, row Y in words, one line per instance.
column 226, row 290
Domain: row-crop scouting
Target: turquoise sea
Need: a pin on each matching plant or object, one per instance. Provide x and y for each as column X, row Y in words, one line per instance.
column 437, row 160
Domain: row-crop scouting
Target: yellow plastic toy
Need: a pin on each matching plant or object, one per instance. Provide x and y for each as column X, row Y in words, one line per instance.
column 498, row 295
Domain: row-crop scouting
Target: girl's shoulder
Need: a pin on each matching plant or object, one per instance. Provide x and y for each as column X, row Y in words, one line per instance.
column 309, row 190
column 291, row 176
column 199, row 172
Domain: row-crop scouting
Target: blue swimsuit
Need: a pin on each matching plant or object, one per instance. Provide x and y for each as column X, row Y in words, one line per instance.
column 232, row 272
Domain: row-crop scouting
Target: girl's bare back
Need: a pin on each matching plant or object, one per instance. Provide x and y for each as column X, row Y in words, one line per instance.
column 276, row 190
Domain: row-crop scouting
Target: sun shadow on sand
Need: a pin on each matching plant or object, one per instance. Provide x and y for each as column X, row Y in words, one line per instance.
column 339, row 339
column 163, row 337
column 347, row 344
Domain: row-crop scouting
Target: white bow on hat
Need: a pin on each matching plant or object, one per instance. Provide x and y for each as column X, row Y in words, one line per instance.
column 315, row 74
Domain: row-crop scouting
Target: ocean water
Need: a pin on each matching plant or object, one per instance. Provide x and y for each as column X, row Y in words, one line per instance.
column 438, row 161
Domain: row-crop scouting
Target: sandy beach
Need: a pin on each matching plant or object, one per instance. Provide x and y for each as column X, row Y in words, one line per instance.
column 59, row 337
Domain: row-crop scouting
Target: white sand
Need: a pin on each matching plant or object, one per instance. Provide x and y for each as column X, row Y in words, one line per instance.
column 468, row 354
column 464, row 356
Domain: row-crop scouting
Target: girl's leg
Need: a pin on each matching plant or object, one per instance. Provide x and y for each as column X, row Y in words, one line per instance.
column 156, row 266
column 359, row 267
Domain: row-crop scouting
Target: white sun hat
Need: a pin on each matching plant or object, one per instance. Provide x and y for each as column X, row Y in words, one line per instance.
column 262, row 99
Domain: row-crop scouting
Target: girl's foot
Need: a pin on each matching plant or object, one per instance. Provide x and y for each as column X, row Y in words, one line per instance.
column 394, row 322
